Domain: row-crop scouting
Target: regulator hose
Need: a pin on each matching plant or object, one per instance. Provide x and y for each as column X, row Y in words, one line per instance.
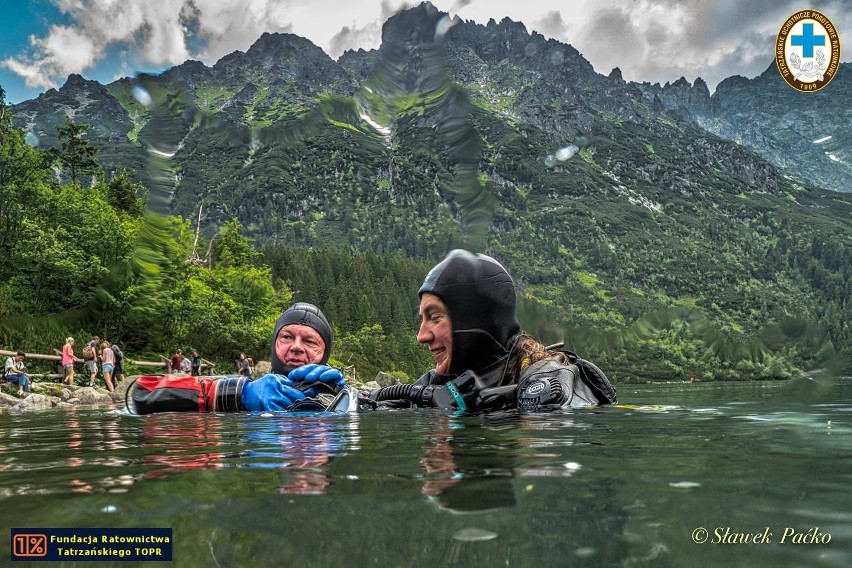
column 411, row 393
column 458, row 394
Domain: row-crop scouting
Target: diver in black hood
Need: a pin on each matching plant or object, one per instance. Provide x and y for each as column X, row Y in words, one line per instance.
column 468, row 321
column 302, row 336
column 467, row 310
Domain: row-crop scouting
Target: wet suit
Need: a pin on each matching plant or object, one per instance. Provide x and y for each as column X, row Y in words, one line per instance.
column 171, row 393
column 480, row 298
column 308, row 387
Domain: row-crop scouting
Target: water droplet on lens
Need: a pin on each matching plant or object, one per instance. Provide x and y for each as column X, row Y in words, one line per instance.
column 31, row 138
column 567, row 152
column 141, row 95
column 472, row 534
column 444, row 25
column 557, row 57
column 684, row 484
column 549, row 160
column 530, row 49
column 585, row 552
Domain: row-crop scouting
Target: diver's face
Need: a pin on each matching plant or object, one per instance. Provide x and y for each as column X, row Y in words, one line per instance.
column 298, row 345
column 436, row 331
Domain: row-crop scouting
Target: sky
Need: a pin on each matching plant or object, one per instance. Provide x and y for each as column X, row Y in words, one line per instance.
column 43, row 41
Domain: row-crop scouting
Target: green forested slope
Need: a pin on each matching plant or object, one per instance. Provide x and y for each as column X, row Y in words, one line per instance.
column 649, row 244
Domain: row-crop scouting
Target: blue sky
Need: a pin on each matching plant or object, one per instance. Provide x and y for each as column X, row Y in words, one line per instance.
column 43, row 41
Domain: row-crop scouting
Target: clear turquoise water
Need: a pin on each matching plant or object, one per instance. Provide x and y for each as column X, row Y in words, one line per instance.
column 622, row 486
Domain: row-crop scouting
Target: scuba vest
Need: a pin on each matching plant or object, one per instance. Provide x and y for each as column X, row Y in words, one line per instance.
column 562, row 381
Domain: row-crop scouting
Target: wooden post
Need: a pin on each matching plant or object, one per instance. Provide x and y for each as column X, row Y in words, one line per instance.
column 39, row 356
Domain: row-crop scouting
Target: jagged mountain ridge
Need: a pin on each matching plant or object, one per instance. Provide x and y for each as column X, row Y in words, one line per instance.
column 463, row 138
column 789, row 129
column 806, row 135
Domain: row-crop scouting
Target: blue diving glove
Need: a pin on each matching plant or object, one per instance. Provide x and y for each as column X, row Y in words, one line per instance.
column 270, row 392
column 317, row 373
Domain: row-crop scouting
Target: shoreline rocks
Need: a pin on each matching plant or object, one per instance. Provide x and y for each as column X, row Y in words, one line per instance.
column 45, row 396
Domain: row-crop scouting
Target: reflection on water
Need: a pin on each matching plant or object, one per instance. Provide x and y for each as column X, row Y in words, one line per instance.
column 623, row 486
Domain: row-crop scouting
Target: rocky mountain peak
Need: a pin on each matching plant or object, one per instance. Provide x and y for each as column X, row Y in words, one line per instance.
column 733, row 82
column 78, row 85
column 415, row 25
column 190, row 73
column 284, row 45
column 282, row 58
column 74, row 81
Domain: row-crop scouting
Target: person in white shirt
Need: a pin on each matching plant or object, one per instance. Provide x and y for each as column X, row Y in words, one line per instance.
column 16, row 373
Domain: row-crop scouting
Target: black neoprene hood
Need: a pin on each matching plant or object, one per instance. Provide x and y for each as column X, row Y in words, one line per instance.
column 301, row 313
column 480, row 298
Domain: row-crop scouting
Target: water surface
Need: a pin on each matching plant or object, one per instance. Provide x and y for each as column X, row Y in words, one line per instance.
column 631, row 485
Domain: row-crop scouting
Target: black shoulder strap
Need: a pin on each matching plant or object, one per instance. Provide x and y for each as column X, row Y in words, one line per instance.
column 591, row 374
column 594, row 378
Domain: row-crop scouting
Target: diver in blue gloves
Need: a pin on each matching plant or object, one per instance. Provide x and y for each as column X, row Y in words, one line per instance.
column 300, row 378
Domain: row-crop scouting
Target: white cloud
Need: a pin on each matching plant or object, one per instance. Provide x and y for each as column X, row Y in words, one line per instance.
column 65, row 50
column 551, row 25
column 649, row 40
column 151, row 32
column 366, row 36
column 225, row 27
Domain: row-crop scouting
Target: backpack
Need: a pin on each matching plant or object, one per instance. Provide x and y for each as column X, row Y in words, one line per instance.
column 591, row 375
column 16, row 367
column 88, row 352
column 119, row 356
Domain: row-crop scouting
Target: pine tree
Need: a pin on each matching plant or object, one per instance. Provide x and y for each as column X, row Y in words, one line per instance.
column 123, row 194
column 76, row 155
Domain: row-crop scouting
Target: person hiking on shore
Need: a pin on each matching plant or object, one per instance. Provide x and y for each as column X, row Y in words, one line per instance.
column 68, row 360
column 118, row 372
column 243, row 366
column 177, row 359
column 90, row 358
column 108, row 364
column 195, row 367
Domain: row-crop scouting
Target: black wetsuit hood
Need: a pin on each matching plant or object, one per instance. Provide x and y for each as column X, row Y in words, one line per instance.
column 301, row 313
column 480, row 298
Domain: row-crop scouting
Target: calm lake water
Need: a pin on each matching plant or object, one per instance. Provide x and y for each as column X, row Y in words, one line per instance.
column 632, row 485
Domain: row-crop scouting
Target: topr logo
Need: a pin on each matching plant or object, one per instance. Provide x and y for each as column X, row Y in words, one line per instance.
column 807, row 51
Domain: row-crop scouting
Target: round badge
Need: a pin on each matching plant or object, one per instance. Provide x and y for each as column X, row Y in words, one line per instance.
column 807, row 51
